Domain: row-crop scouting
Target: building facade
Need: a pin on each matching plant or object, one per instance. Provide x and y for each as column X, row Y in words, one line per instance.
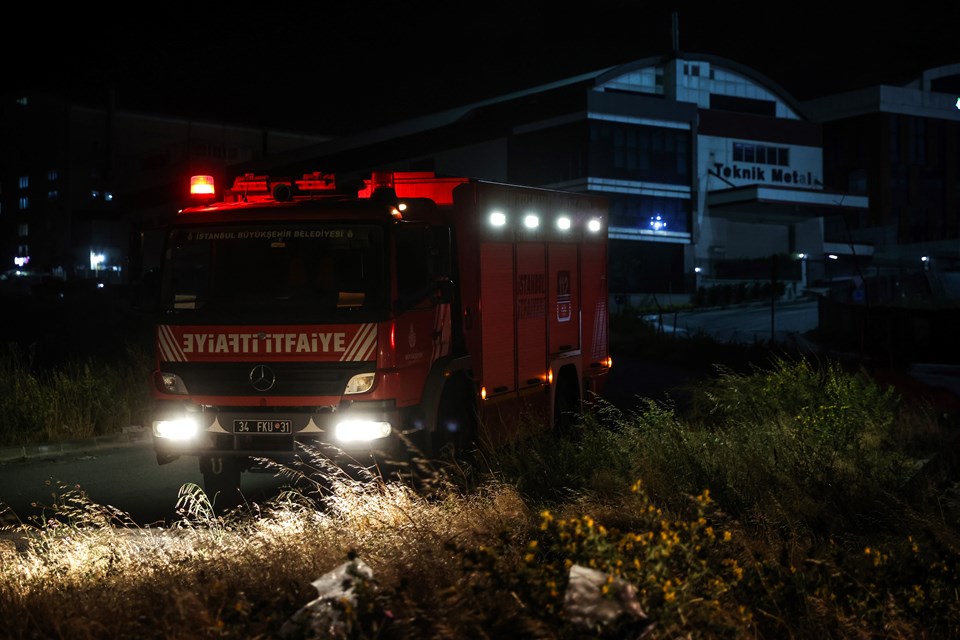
column 899, row 146
column 712, row 171
column 80, row 185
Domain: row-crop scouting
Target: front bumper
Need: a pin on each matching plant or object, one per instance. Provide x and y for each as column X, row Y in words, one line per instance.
column 183, row 429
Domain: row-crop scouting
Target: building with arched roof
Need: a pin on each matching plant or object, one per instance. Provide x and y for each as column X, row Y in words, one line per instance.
column 710, row 168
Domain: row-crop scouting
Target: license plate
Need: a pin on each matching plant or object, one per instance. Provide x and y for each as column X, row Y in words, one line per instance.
column 263, row 426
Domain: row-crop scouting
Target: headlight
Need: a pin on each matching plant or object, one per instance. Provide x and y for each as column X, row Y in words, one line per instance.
column 178, row 429
column 362, row 430
column 169, row 383
column 360, row 383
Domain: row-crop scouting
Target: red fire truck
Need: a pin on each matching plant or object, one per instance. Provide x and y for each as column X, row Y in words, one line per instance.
column 444, row 311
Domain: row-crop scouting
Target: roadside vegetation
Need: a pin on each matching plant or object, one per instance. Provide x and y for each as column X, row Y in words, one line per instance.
column 786, row 496
column 77, row 397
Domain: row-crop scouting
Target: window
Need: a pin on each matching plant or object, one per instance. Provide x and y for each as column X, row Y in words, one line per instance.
column 52, row 195
column 414, row 257
column 23, row 230
column 24, row 203
column 761, row 154
column 650, row 213
column 52, row 175
column 743, row 105
column 639, row 152
column 24, row 182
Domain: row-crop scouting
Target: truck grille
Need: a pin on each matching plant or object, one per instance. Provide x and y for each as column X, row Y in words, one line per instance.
column 292, row 379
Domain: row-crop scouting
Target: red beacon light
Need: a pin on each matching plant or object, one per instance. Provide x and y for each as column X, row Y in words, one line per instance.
column 202, row 188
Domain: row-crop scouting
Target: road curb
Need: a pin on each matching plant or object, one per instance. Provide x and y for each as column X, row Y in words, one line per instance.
column 133, row 434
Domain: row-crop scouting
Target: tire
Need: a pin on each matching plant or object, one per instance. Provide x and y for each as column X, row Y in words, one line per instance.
column 566, row 403
column 221, row 480
column 455, row 432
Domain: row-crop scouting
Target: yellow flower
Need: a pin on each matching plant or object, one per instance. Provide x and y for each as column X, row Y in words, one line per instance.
column 726, row 536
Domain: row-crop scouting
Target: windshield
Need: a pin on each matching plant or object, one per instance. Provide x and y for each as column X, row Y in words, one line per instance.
column 272, row 273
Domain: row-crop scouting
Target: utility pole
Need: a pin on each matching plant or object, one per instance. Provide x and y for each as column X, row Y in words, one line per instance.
column 675, row 32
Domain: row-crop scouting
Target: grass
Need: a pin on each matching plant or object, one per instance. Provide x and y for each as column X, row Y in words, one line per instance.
column 788, row 497
column 76, row 398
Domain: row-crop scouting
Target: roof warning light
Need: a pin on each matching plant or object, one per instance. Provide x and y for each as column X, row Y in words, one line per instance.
column 201, row 186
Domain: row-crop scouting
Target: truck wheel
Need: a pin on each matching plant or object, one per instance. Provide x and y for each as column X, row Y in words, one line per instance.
column 456, row 429
column 566, row 402
column 221, row 480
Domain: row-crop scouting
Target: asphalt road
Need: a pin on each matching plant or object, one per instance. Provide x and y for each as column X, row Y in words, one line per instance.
column 781, row 322
column 125, row 477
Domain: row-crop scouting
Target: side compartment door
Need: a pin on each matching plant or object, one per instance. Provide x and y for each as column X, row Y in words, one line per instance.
column 531, row 315
column 497, row 317
column 564, row 301
column 593, row 286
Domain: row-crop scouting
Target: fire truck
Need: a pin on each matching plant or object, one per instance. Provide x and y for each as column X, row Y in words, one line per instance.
column 450, row 312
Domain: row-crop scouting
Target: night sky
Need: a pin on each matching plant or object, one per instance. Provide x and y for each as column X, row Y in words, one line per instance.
column 332, row 68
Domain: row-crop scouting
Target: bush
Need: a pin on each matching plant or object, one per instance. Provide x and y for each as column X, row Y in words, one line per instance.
column 74, row 399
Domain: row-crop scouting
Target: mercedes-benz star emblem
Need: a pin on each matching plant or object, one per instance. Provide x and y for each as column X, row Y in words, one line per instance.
column 262, row 378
